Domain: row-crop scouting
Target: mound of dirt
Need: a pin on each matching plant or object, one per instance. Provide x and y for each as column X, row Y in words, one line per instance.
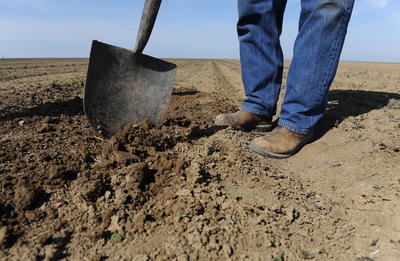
column 68, row 179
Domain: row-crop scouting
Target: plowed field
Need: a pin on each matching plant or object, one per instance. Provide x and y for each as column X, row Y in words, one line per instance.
column 189, row 190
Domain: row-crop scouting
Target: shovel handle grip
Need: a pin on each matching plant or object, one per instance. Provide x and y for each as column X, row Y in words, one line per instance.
column 149, row 16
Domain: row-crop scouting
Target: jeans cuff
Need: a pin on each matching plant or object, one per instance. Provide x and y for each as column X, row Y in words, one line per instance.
column 254, row 111
column 290, row 126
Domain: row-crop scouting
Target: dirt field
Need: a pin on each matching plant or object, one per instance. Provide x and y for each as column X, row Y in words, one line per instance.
column 190, row 191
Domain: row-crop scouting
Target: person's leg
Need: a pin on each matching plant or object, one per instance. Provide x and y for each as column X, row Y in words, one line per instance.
column 259, row 28
column 322, row 31
column 323, row 27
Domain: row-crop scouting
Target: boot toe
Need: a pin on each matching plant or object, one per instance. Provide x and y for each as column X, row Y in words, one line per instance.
column 221, row 120
column 269, row 147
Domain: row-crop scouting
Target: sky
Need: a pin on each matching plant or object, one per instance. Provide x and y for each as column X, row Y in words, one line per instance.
column 184, row 28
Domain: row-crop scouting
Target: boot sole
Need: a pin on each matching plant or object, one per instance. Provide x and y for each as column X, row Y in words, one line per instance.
column 268, row 154
column 263, row 128
column 258, row 128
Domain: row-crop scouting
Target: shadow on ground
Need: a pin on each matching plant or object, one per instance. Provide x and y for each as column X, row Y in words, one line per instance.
column 71, row 108
column 346, row 103
column 341, row 105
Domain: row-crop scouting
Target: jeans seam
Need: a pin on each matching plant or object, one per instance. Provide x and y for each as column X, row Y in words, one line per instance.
column 330, row 62
column 329, row 65
column 347, row 6
column 276, row 68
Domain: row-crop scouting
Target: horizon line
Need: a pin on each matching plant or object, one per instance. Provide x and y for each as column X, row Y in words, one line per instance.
column 186, row 58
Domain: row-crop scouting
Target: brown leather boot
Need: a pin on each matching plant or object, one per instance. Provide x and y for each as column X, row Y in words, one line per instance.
column 280, row 143
column 244, row 120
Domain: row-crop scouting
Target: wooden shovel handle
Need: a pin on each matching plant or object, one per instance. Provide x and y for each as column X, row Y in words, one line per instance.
column 149, row 16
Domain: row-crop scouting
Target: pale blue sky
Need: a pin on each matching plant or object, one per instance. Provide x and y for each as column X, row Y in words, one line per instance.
column 185, row 28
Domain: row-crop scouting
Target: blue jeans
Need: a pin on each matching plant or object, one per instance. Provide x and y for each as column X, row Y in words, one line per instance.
column 322, row 30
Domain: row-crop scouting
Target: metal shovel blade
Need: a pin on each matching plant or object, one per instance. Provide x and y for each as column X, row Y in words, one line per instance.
column 124, row 87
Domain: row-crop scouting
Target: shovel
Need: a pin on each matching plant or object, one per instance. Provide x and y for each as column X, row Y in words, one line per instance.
column 124, row 86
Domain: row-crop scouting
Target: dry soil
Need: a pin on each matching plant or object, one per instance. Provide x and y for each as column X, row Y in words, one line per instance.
column 188, row 190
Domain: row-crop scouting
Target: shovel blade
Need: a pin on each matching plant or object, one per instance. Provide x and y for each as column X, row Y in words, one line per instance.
column 123, row 87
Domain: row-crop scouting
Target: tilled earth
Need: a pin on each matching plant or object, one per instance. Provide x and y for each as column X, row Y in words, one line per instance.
column 189, row 190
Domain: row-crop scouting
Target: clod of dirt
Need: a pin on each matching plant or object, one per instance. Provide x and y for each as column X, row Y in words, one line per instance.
column 46, row 128
column 61, row 172
column 28, row 198
column 90, row 190
column 143, row 139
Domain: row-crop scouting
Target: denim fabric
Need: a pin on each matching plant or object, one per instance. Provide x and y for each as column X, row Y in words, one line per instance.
column 322, row 30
